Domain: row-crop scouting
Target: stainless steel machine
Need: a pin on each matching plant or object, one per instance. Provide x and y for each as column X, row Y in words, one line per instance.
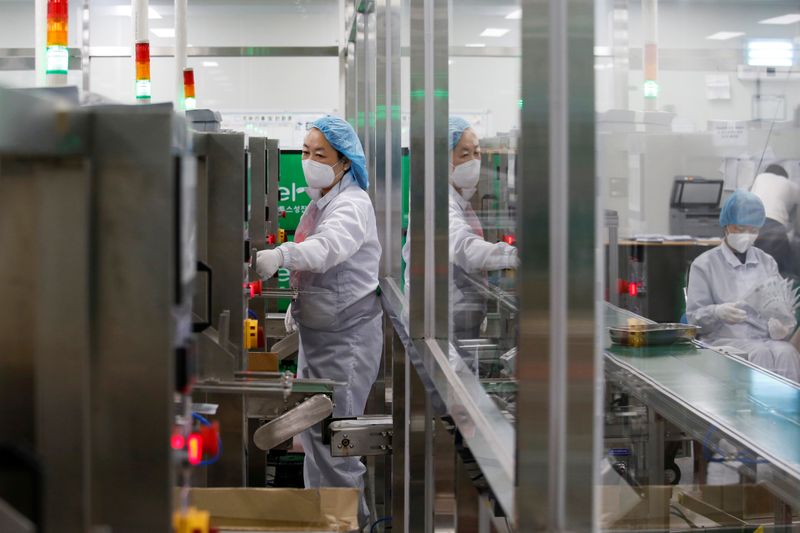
column 237, row 216
column 96, row 277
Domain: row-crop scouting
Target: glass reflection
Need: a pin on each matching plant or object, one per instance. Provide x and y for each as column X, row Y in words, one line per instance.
column 478, row 265
column 698, row 143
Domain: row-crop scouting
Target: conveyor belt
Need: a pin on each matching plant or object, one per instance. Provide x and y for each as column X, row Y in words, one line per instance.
column 712, row 395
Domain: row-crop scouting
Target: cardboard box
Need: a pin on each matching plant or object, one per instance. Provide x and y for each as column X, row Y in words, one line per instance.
column 651, row 511
column 744, row 501
column 279, row 509
column 262, row 362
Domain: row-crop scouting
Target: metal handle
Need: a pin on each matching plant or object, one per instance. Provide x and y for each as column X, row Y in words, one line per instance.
column 199, row 327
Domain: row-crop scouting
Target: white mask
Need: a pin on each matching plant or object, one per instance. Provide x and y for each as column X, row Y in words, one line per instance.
column 314, row 194
column 466, row 175
column 741, row 242
column 319, row 175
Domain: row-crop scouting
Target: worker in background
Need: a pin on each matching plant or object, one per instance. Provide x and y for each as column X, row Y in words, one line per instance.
column 781, row 199
column 471, row 255
column 333, row 262
column 721, row 278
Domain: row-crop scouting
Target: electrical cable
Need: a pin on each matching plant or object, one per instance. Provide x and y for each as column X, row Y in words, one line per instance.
column 771, row 126
column 384, row 519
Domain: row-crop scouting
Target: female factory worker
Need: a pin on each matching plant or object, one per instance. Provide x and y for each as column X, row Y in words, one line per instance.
column 721, row 278
column 333, row 262
column 470, row 253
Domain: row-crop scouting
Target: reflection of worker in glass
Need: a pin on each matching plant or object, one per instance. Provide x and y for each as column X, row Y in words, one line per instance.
column 470, row 254
column 781, row 199
column 721, row 282
column 334, row 263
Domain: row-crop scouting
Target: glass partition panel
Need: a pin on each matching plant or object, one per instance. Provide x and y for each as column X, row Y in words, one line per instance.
column 484, row 70
column 698, row 159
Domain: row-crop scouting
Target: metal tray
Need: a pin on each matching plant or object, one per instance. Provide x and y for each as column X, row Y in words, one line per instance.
column 652, row 334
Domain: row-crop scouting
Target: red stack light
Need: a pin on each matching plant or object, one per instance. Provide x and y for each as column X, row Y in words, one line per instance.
column 188, row 89
column 143, row 70
column 57, row 19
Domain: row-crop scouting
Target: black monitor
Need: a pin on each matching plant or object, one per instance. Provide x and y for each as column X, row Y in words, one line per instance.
column 692, row 191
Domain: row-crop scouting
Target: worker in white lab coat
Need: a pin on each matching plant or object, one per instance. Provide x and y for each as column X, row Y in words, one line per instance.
column 781, row 199
column 333, row 261
column 720, row 281
column 471, row 256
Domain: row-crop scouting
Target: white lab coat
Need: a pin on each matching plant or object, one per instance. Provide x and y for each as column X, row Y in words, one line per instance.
column 334, row 264
column 470, row 255
column 718, row 277
column 781, row 199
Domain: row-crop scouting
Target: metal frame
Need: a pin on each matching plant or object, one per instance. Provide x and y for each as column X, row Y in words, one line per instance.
column 557, row 220
column 92, row 396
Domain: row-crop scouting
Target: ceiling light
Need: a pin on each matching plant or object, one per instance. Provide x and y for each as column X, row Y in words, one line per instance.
column 163, row 32
column 789, row 18
column 210, row 64
column 724, row 35
column 494, row 32
column 475, row 45
column 125, row 11
column 515, row 15
column 770, row 53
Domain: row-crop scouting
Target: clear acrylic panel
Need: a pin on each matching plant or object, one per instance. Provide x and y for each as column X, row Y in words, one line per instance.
column 698, row 162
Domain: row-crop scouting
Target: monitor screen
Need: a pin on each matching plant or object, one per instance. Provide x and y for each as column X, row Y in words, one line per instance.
column 700, row 193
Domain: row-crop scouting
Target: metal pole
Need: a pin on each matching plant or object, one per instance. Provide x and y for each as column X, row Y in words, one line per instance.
column 85, row 47
column 40, row 34
column 180, row 53
column 558, row 278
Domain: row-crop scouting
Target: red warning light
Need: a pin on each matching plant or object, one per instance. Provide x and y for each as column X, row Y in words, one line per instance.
column 633, row 288
column 509, row 239
column 178, row 441
column 195, row 449
column 255, row 288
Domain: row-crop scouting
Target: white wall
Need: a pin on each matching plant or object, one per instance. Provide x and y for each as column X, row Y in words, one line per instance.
column 685, row 25
column 476, row 84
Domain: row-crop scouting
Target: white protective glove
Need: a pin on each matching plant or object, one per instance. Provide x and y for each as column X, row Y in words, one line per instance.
column 777, row 329
column 507, row 258
column 289, row 322
column 268, row 262
column 730, row 313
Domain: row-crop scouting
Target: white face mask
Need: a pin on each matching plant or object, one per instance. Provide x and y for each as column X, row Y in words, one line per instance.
column 466, row 175
column 319, row 175
column 741, row 242
column 314, row 194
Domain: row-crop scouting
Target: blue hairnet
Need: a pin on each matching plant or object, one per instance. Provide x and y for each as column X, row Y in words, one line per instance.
column 343, row 138
column 743, row 208
column 456, row 127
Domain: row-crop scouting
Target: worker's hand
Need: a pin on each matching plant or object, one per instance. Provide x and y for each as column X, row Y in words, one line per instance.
column 777, row 329
column 289, row 322
column 504, row 257
column 730, row 313
column 268, row 262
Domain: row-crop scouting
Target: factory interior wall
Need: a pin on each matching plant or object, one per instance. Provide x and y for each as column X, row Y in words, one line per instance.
column 477, row 84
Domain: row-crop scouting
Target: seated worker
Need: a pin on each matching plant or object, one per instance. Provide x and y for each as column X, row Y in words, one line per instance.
column 721, row 278
column 781, row 199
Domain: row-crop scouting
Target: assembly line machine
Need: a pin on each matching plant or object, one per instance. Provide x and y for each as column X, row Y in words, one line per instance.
column 130, row 312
